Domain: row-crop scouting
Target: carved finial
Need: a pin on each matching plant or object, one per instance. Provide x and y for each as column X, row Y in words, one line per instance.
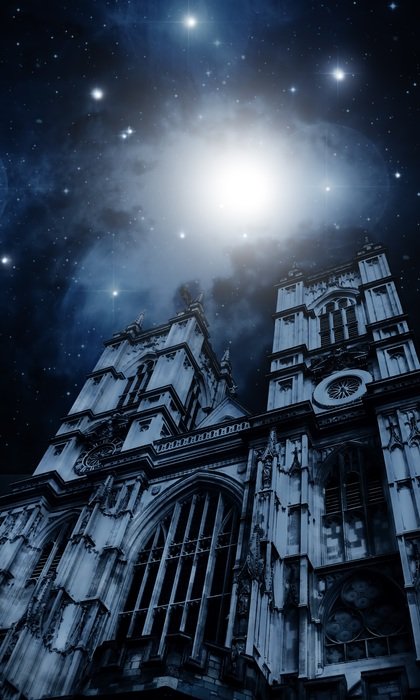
column 226, row 357
column 140, row 319
column 226, row 371
column 270, row 449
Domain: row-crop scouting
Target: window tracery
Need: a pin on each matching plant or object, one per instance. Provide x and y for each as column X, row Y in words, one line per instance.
column 367, row 619
column 183, row 576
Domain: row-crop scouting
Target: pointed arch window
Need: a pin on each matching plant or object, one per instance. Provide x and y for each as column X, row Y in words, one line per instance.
column 355, row 522
column 183, row 576
column 51, row 552
column 338, row 321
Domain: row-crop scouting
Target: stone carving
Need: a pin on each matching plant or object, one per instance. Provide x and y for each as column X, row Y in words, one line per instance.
column 337, row 360
column 266, row 458
column 296, row 465
column 413, row 553
column 394, row 435
column 244, row 594
column 34, row 615
column 237, row 650
column 414, row 436
column 14, row 525
column 254, row 561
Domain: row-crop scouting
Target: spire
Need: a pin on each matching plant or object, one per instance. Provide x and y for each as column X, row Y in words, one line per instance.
column 226, row 371
column 225, row 357
column 139, row 320
column 136, row 326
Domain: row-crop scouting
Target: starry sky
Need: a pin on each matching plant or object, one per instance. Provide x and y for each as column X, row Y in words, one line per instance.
column 149, row 145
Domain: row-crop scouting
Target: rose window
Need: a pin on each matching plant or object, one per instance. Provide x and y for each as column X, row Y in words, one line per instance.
column 368, row 619
column 343, row 387
column 340, row 388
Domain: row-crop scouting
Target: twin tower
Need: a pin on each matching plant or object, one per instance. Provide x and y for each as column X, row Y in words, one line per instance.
column 172, row 545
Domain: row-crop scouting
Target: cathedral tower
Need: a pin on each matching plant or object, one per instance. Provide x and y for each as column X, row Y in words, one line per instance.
column 170, row 544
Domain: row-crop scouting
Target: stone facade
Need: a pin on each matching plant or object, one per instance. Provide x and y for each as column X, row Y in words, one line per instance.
column 170, row 544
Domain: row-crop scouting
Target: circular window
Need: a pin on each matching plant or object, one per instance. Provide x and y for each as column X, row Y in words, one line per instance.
column 341, row 388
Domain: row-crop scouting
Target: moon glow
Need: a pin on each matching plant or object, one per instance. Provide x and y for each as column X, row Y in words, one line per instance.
column 241, row 186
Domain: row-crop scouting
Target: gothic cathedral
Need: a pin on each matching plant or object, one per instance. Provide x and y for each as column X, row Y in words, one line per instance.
column 171, row 545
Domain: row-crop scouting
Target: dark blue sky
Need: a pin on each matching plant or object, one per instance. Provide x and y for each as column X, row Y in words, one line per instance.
column 108, row 206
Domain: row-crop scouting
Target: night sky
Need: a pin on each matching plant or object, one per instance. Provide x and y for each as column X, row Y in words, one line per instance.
column 146, row 145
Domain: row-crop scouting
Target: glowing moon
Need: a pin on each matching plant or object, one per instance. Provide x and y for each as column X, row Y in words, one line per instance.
column 241, row 185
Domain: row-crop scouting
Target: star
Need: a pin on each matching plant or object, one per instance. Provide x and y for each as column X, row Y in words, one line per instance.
column 339, row 74
column 97, row 94
column 182, row 234
column 393, row 6
column 115, row 292
column 5, row 260
column 397, row 175
column 190, row 22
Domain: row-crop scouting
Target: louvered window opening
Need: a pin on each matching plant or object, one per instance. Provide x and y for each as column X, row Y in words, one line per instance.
column 135, row 386
column 356, row 521
column 338, row 321
column 183, row 576
column 51, row 553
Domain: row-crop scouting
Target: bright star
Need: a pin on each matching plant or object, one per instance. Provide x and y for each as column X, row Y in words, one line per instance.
column 339, row 74
column 97, row 94
column 292, row 89
column 327, row 188
column 397, row 175
column 126, row 133
column 182, row 234
column 114, row 292
column 5, row 260
column 393, row 6
column 190, row 22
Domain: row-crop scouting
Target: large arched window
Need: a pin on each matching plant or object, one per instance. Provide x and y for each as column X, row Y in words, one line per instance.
column 355, row 522
column 338, row 321
column 183, row 576
column 368, row 618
